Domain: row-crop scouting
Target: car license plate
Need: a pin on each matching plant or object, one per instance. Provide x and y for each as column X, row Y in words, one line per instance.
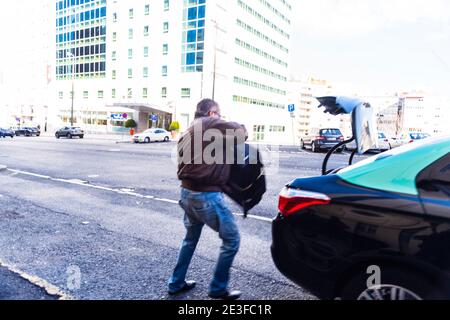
column 331, row 139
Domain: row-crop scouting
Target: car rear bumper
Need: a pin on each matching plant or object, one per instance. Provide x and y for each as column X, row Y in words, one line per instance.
column 288, row 256
column 326, row 145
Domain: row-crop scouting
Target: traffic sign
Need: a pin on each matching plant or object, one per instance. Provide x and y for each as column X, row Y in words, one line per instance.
column 291, row 108
column 154, row 117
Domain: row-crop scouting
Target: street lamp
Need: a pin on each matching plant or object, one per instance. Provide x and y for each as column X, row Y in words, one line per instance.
column 72, row 72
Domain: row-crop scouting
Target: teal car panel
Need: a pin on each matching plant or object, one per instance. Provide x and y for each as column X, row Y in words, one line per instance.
column 396, row 170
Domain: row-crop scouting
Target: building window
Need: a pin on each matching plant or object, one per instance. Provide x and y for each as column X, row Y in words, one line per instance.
column 145, row 31
column 85, row 94
column 164, row 92
column 144, row 93
column 114, row 36
column 165, row 49
column 131, row 13
column 61, row 95
column 130, row 93
column 114, row 74
column 166, row 5
column 166, row 27
column 113, row 93
column 145, row 72
column 100, row 94
column 147, row 9
column 277, row 129
column 145, row 52
column 258, row 133
column 193, row 37
column 130, row 53
column 164, row 71
column 114, row 56
column 130, row 33
column 114, row 17
column 130, row 73
column 185, row 93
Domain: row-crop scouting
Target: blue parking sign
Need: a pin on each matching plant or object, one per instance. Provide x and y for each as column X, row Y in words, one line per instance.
column 291, row 107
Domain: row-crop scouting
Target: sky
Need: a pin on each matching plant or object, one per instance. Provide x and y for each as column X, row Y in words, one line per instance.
column 371, row 45
column 375, row 45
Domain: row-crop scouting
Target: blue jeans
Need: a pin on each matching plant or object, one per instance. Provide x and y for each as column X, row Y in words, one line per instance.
column 206, row 208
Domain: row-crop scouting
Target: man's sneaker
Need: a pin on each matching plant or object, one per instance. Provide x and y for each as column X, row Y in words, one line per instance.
column 188, row 285
column 233, row 295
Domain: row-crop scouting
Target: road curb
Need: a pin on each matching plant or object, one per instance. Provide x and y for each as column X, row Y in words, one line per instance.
column 3, row 168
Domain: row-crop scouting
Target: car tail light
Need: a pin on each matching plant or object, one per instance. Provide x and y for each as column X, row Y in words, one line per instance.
column 411, row 141
column 341, row 138
column 293, row 200
column 320, row 138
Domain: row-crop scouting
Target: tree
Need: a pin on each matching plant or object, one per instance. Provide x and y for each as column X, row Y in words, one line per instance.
column 130, row 123
column 174, row 126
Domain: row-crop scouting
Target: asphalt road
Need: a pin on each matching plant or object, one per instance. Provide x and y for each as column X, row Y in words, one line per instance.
column 100, row 220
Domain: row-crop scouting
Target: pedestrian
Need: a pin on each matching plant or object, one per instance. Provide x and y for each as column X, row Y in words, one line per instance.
column 203, row 201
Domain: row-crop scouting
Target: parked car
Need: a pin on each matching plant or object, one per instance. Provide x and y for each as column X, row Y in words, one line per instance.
column 7, row 133
column 150, row 135
column 69, row 133
column 387, row 216
column 384, row 144
column 36, row 130
column 408, row 137
column 322, row 139
column 26, row 131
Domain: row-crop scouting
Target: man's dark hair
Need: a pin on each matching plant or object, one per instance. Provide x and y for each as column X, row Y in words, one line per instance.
column 204, row 107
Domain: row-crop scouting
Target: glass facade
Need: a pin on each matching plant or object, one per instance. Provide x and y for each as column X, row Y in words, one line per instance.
column 80, row 39
column 193, row 35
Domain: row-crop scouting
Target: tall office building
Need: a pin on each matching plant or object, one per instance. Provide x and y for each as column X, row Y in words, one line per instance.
column 154, row 60
column 26, row 63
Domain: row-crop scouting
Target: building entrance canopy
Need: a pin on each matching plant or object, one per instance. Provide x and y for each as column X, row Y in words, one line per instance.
column 146, row 116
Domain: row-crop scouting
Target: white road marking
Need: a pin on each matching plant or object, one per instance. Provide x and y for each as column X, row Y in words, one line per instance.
column 129, row 192
column 48, row 287
column 114, row 150
column 255, row 217
column 93, row 176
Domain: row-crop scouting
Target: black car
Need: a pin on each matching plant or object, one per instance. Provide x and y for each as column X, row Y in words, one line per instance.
column 6, row 133
column 37, row 131
column 26, row 131
column 377, row 230
column 322, row 139
column 69, row 132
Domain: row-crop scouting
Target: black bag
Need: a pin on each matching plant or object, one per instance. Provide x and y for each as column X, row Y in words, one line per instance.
column 247, row 182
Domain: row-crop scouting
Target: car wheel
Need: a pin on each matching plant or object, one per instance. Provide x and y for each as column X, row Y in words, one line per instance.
column 69, row 136
column 57, row 136
column 397, row 284
column 147, row 140
column 81, row 137
column 166, row 139
column 313, row 147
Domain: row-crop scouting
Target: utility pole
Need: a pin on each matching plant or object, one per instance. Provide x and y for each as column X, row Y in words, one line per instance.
column 70, row 54
column 215, row 60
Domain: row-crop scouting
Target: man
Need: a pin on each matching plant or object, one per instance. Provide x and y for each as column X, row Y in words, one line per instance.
column 202, row 197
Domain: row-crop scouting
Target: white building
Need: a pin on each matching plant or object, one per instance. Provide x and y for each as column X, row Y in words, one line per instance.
column 303, row 93
column 160, row 58
column 26, row 63
column 415, row 112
